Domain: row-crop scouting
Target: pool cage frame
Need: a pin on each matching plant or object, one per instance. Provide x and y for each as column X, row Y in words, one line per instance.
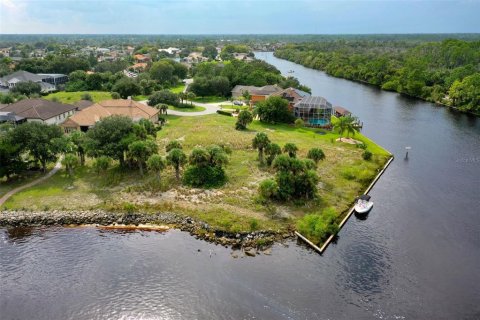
column 314, row 111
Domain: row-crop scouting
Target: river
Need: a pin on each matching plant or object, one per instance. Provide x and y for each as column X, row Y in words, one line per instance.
column 416, row 256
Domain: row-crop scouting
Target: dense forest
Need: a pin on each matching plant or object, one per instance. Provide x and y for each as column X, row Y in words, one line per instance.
column 446, row 72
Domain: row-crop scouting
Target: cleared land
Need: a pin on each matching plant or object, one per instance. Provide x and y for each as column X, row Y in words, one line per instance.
column 233, row 207
column 193, row 109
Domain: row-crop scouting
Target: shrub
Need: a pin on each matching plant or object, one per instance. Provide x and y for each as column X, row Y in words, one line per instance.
column 86, row 96
column 274, row 110
column 316, row 154
column 268, row 189
column 115, row 95
column 173, row 144
column 224, row 113
column 254, row 224
column 318, row 227
column 366, row 155
column 299, row 123
column 244, row 118
column 102, row 164
column 204, row 176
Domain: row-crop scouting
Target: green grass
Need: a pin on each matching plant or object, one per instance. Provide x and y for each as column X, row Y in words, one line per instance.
column 233, row 107
column 343, row 176
column 194, row 109
column 210, row 99
column 72, row 97
column 140, row 98
column 178, row 88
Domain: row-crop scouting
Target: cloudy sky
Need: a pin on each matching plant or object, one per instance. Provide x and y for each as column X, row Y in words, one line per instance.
column 234, row 16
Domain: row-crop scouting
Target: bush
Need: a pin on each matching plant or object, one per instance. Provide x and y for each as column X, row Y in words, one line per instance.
column 299, row 123
column 204, row 176
column 366, row 155
column 102, row 164
column 318, row 227
column 348, row 173
column 254, row 224
column 244, row 118
column 224, row 113
column 316, row 154
column 115, row 95
column 268, row 189
column 86, row 96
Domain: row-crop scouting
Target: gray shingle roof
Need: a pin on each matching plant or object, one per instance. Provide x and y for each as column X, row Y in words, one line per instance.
column 38, row 108
column 21, row 76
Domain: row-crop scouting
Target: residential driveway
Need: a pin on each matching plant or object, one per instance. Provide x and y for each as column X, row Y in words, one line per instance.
column 210, row 108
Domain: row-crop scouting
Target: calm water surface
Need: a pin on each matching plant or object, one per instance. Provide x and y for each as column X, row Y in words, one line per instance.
column 417, row 255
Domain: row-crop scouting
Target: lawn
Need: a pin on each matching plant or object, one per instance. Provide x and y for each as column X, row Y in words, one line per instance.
column 178, row 88
column 210, row 99
column 194, row 109
column 233, row 207
column 72, row 97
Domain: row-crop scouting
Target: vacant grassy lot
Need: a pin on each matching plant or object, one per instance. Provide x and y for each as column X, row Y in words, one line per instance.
column 72, row 97
column 178, row 88
column 234, row 207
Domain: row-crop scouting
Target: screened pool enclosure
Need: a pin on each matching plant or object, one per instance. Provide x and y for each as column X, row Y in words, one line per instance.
column 314, row 111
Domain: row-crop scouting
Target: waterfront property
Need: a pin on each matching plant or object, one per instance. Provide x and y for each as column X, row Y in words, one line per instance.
column 314, row 111
column 293, row 96
column 87, row 117
column 40, row 110
column 341, row 112
column 256, row 93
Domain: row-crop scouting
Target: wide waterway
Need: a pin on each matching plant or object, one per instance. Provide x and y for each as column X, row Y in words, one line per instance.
column 416, row 256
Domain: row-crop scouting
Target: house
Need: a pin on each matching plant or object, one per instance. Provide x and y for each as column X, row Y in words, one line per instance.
column 256, row 93
column 41, row 110
column 293, row 96
column 86, row 118
column 170, row 50
column 11, row 80
column 6, row 116
column 82, row 104
column 5, row 51
column 341, row 112
column 139, row 67
column 142, row 58
column 314, row 111
column 54, row 78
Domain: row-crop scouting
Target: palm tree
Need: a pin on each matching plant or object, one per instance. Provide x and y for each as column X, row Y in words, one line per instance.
column 176, row 158
column 191, row 96
column 260, row 142
column 291, row 149
column 156, row 164
column 316, row 154
column 345, row 123
column 272, row 150
column 70, row 161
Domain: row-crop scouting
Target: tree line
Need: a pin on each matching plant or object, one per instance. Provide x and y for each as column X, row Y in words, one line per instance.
column 218, row 78
column 445, row 72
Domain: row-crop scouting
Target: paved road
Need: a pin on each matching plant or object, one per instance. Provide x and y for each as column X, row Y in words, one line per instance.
column 210, row 108
column 55, row 169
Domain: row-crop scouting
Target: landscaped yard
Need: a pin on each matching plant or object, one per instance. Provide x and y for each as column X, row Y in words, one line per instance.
column 235, row 206
column 72, row 97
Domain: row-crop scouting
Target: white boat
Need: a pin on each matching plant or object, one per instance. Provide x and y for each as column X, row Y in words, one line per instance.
column 363, row 204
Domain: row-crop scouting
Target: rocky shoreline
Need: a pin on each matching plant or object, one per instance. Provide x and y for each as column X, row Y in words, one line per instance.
column 250, row 242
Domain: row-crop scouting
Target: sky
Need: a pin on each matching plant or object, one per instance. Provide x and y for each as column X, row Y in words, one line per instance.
column 238, row 17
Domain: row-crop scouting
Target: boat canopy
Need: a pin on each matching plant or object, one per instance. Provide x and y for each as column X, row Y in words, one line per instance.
column 365, row 197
